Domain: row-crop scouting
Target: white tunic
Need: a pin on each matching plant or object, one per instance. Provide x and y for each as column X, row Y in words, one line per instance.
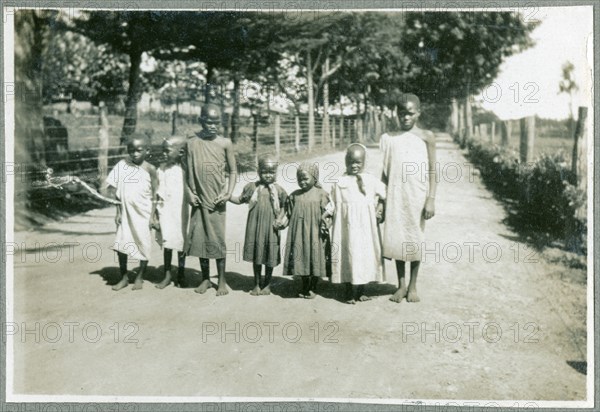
column 173, row 209
column 356, row 242
column 134, row 190
column 405, row 165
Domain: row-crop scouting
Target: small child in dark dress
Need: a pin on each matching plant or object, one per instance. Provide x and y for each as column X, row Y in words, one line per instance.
column 266, row 201
column 308, row 210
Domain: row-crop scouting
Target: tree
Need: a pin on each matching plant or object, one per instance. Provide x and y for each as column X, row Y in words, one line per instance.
column 74, row 65
column 567, row 85
column 457, row 54
column 132, row 33
column 30, row 38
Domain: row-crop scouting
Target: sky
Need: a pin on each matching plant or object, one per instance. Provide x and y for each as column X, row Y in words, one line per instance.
column 565, row 33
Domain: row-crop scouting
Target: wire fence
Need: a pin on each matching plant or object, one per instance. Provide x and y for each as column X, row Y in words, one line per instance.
column 87, row 144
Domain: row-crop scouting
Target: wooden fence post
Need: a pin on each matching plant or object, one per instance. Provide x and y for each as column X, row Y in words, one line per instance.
column 174, row 122
column 483, row 130
column 103, row 148
column 297, row 137
column 493, row 133
column 342, row 130
column 277, row 134
column 332, row 131
column 504, row 132
column 527, row 139
column 578, row 161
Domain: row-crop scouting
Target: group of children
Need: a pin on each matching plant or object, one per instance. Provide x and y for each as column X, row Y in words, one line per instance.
column 335, row 236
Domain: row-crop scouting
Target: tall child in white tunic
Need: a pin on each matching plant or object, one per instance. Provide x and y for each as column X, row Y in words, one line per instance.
column 133, row 182
column 409, row 173
column 172, row 209
column 356, row 251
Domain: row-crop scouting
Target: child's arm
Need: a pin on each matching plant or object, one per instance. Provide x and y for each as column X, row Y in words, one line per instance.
column 235, row 200
column 192, row 197
column 429, row 210
column 154, row 186
column 230, row 158
column 111, row 191
column 281, row 220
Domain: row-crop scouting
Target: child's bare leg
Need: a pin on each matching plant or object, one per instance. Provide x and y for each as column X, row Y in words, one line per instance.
column 266, row 288
column 205, row 284
column 401, row 292
column 139, row 279
column 350, row 294
column 167, row 256
column 305, row 287
column 123, row 269
column 257, row 269
column 313, row 287
column 412, row 285
column 360, row 294
column 181, row 270
column 222, row 286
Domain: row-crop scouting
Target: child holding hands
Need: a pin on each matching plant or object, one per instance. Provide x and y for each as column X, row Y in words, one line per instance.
column 308, row 210
column 358, row 200
column 172, row 209
column 133, row 182
column 266, row 201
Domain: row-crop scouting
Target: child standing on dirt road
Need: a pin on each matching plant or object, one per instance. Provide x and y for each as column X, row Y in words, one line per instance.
column 266, row 201
column 209, row 157
column 133, row 182
column 410, row 175
column 358, row 200
column 172, row 209
column 309, row 211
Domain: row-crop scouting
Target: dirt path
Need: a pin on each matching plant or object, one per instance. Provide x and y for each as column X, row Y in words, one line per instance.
column 485, row 329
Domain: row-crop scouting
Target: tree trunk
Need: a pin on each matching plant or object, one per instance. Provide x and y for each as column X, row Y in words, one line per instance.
column 133, row 95
column 29, row 125
column 311, row 102
column 235, row 116
column 209, row 92
column 326, row 105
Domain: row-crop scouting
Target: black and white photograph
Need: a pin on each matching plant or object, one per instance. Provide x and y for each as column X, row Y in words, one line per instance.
column 298, row 206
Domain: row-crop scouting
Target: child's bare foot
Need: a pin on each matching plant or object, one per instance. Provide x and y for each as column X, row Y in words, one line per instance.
column 399, row 295
column 255, row 291
column 311, row 295
column 138, row 284
column 351, row 302
column 302, row 295
column 412, row 296
column 166, row 281
column 122, row 283
column 364, row 298
column 222, row 289
column 266, row 290
column 203, row 287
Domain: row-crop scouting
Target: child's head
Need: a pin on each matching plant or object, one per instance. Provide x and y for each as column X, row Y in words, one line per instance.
column 409, row 110
column 138, row 147
column 173, row 148
column 308, row 176
column 210, row 119
column 355, row 158
column 267, row 169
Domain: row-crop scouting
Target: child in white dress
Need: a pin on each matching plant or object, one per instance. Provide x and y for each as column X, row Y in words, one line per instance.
column 356, row 243
column 172, row 209
column 133, row 182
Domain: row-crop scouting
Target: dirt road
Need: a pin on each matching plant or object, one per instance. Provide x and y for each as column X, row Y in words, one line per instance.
column 494, row 322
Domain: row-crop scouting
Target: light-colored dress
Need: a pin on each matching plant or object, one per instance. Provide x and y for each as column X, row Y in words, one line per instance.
column 356, row 242
column 306, row 249
column 173, row 208
column 262, row 240
column 405, row 167
column 134, row 190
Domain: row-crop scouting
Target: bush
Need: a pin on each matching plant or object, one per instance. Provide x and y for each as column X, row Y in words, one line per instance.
column 541, row 194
